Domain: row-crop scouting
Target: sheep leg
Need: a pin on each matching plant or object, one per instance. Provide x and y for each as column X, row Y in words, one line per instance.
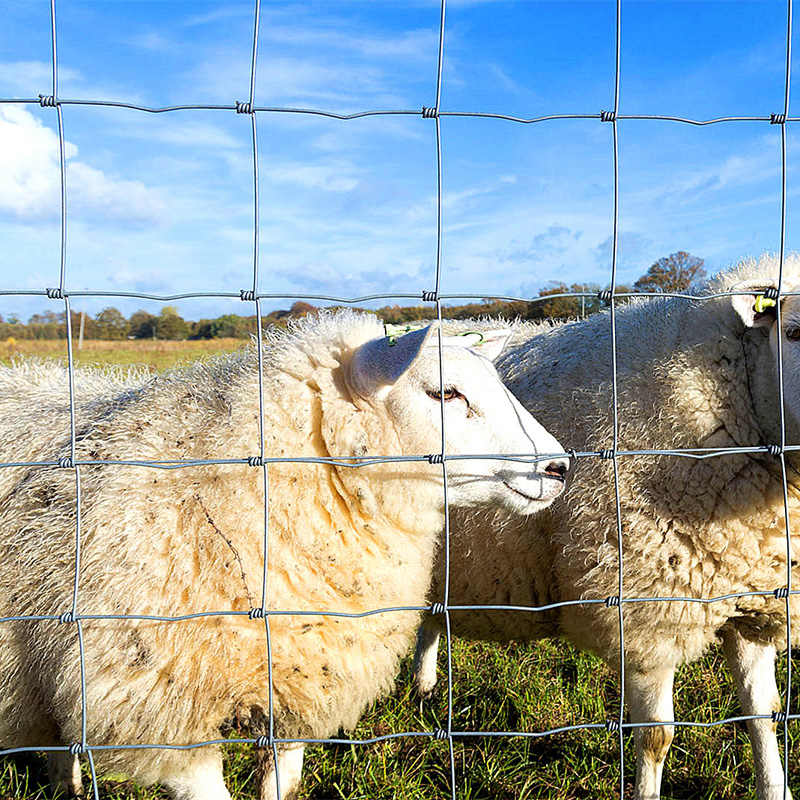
column 424, row 667
column 649, row 696
column 197, row 776
column 753, row 668
column 290, row 767
column 64, row 770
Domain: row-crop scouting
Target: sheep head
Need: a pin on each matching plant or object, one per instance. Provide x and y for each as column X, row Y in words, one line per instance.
column 399, row 392
column 757, row 307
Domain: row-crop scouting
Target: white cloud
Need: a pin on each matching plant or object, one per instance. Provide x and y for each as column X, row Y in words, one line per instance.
column 30, row 78
column 30, row 178
column 327, row 177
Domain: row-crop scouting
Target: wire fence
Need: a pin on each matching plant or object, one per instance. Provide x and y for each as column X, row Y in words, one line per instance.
column 433, row 115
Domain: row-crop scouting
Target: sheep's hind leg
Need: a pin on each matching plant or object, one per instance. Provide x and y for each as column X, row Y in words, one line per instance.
column 753, row 668
column 64, row 770
column 425, row 652
column 290, row 768
column 649, row 696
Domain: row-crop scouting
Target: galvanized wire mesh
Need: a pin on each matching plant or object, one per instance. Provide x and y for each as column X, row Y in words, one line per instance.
column 616, row 726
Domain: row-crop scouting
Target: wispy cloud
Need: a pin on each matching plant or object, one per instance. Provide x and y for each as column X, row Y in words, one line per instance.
column 30, row 182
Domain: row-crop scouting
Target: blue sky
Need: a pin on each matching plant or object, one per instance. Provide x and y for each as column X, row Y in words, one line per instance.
column 162, row 203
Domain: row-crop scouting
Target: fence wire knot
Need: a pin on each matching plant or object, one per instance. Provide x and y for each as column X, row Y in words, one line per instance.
column 606, row 455
column 255, row 461
column 65, row 463
column 430, row 113
column 612, row 725
column 54, row 294
column 66, row 617
column 262, row 742
column 613, row 601
column 437, row 608
column 608, row 116
column 605, row 296
column 440, row 734
column 77, row 749
column 244, row 108
column 779, row 716
column 247, row 295
column 47, row 101
column 435, row 458
column 430, row 297
column 256, row 613
column 777, row 119
column 774, row 449
column 782, row 593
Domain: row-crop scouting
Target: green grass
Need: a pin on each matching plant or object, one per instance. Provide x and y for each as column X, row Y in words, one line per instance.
column 525, row 687
column 154, row 354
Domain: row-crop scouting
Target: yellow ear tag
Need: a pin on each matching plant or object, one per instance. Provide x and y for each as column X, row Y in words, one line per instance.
column 763, row 303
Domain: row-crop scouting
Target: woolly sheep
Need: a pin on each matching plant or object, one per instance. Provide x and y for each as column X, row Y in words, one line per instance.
column 190, row 541
column 691, row 374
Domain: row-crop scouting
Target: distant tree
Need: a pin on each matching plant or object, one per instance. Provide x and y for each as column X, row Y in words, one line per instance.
column 171, row 325
column 300, row 308
column 228, row 326
column 142, row 325
column 673, row 273
column 110, row 324
column 566, row 307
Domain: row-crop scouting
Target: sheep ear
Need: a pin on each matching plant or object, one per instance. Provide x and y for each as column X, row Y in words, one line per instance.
column 487, row 343
column 754, row 307
column 378, row 364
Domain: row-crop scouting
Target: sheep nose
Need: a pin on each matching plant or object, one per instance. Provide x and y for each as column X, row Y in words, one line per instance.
column 556, row 469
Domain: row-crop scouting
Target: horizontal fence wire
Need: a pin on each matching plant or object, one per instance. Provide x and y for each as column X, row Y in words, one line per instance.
column 615, row 726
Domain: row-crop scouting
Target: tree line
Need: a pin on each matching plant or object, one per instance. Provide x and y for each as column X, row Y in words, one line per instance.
column 674, row 273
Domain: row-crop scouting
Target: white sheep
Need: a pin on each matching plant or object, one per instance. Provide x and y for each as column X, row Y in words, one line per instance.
column 691, row 374
column 189, row 541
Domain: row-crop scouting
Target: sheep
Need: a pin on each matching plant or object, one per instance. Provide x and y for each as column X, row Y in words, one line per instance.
column 190, row 541
column 692, row 373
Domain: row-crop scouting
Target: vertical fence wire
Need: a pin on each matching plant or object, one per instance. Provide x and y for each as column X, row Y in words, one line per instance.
column 615, row 401
column 262, row 461
column 71, row 616
column 434, row 112
column 782, row 403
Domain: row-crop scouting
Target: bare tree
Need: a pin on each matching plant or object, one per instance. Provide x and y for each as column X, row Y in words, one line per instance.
column 673, row 273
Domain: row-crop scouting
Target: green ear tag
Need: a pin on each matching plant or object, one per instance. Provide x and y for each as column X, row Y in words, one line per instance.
column 763, row 303
column 474, row 333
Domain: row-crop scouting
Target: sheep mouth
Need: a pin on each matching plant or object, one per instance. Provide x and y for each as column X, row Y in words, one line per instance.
column 558, row 478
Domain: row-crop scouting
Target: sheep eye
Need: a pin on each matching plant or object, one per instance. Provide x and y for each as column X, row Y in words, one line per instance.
column 449, row 393
column 793, row 334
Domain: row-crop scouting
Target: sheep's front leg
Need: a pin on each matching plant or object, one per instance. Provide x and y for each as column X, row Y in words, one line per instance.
column 64, row 770
column 753, row 668
column 197, row 775
column 424, row 667
column 290, row 768
column 649, row 696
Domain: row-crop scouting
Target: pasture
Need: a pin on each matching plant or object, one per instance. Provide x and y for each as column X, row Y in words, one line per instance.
column 525, row 688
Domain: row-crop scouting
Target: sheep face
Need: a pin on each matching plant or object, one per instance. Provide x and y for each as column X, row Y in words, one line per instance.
column 760, row 312
column 480, row 417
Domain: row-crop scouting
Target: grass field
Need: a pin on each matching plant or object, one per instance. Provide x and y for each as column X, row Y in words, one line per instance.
column 152, row 353
column 524, row 687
